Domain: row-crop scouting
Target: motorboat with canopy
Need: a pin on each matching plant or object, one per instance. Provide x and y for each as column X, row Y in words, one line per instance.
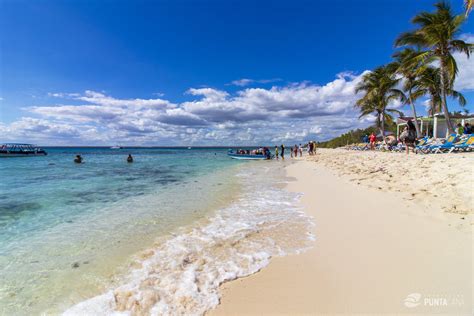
column 20, row 150
column 257, row 154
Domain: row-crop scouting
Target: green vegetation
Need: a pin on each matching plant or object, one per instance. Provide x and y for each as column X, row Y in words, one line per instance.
column 379, row 87
column 424, row 66
column 354, row 136
column 436, row 34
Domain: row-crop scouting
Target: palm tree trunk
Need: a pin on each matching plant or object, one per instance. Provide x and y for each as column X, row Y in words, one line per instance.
column 418, row 133
column 378, row 121
column 444, row 106
column 468, row 4
column 432, row 109
column 382, row 126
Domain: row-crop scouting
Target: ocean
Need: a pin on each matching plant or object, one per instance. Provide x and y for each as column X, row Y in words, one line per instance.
column 157, row 236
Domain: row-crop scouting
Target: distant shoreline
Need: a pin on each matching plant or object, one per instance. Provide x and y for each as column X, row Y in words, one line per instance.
column 163, row 147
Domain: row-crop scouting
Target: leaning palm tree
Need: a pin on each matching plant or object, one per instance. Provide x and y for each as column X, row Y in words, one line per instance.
column 407, row 65
column 379, row 91
column 468, row 4
column 429, row 83
column 436, row 33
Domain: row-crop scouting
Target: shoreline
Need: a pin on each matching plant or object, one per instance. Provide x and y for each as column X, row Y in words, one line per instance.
column 181, row 274
column 375, row 251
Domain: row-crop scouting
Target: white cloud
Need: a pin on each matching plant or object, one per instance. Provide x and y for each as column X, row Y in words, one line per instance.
column 465, row 78
column 245, row 81
column 292, row 113
column 242, row 82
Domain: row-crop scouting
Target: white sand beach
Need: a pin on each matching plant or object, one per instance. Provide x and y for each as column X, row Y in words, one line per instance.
column 393, row 235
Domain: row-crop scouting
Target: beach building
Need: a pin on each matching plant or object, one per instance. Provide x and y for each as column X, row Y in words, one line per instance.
column 435, row 126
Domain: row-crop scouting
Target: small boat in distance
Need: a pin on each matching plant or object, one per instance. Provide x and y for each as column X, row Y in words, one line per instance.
column 250, row 155
column 20, row 150
column 116, row 147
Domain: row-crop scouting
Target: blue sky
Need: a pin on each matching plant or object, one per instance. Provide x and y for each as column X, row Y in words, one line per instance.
column 194, row 72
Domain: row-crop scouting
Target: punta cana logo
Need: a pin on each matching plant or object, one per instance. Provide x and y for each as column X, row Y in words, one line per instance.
column 412, row 300
column 415, row 299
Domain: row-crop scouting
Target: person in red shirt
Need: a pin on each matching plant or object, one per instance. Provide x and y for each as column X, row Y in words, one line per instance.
column 372, row 139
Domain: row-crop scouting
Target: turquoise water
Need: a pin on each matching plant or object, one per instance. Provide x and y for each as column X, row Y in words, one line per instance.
column 56, row 215
column 156, row 236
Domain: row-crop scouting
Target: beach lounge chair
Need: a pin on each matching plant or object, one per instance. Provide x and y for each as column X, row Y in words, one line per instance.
column 464, row 145
column 426, row 148
column 399, row 147
column 422, row 143
column 450, row 141
column 433, row 143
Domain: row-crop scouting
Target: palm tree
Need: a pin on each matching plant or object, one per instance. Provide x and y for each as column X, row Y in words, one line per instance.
column 379, row 90
column 468, row 4
column 436, row 33
column 409, row 67
column 429, row 82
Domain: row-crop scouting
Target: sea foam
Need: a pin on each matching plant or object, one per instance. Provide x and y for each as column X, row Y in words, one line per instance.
column 182, row 275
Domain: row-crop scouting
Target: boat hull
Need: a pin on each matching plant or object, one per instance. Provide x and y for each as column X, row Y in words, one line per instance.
column 247, row 157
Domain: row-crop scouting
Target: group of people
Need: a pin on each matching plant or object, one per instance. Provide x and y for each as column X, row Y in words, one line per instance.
column 295, row 150
column 311, row 148
column 409, row 136
column 259, row 151
column 464, row 130
column 372, row 139
column 79, row 159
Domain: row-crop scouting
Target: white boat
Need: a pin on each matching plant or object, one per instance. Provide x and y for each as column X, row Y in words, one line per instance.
column 116, row 147
column 238, row 156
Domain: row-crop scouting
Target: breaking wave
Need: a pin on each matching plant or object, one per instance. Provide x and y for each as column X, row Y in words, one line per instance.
column 181, row 275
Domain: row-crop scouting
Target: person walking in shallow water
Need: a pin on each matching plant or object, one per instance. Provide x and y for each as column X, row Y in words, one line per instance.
column 282, row 152
column 276, row 152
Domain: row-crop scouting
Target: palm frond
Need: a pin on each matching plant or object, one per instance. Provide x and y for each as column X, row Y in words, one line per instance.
column 462, row 46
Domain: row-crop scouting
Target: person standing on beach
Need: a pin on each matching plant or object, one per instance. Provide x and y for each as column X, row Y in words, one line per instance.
column 372, row 139
column 282, row 152
column 300, row 148
column 291, row 152
column 408, row 136
column 295, row 150
column 276, row 152
column 467, row 129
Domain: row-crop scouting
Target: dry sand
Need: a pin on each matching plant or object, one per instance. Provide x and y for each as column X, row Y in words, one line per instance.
column 374, row 246
column 443, row 180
